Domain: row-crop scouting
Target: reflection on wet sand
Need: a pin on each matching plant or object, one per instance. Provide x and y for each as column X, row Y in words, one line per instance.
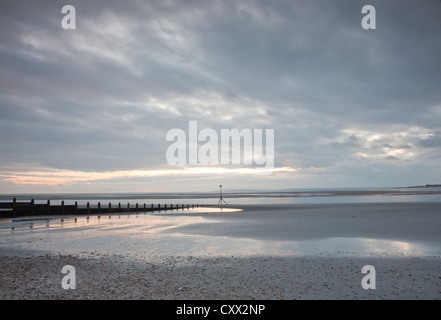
column 357, row 246
column 286, row 231
column 60, row 222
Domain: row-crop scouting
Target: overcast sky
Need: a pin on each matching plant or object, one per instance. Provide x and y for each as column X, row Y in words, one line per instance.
column 88, row 110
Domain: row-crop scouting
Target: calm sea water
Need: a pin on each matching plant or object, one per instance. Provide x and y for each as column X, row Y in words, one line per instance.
column 300, row 196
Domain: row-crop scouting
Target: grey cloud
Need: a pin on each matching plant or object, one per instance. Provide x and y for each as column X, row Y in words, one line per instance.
column 103, row 96
column 431, row 142
column 403, row 146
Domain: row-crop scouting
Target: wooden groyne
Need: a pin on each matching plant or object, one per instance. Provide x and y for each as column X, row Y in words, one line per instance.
column 21, row 209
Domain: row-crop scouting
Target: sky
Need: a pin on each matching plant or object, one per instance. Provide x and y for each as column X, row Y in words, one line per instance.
column 88, row 109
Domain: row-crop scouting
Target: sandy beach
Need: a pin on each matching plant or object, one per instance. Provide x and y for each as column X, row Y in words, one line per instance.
column 262, row 252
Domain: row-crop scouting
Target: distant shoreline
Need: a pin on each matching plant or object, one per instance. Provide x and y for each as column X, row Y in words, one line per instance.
column 426, row 186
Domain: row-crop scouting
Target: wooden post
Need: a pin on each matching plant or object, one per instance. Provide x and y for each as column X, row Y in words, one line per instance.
column 128, row 206
column 14, row 212
column 192, row 206
column 159, row 206
column 171, row 207
column 32, row 207
column 152, row 206
column 182, row 207
column 99, row 207
column 88, row 209
column 62, row 207
column 119, row 206
column 48, row 209
column 145, row 207
column 76, row 209
column 137, row 207
column 188, row 206
column 110, row 207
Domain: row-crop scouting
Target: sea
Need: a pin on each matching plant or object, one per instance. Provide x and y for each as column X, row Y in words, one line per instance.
column 293, row 196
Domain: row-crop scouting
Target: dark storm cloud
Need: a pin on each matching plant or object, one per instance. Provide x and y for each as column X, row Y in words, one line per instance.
column 103, row 96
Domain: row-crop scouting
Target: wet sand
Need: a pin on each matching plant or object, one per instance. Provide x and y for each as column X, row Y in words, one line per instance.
column 262, row 252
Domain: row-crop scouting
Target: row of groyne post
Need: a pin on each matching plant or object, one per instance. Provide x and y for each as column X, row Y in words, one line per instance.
column 20, row 208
